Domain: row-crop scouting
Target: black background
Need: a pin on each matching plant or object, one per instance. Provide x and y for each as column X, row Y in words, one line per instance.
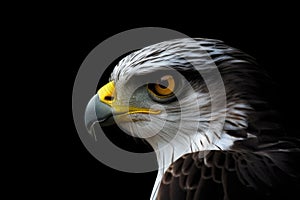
column 268, row 34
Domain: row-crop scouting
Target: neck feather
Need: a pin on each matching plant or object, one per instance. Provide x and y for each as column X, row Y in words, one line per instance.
column 168, row 152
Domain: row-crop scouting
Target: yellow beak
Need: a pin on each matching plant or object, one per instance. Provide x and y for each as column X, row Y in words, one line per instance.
column 107, row 95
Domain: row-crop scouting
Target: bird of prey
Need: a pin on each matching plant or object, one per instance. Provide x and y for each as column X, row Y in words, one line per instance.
column 213, row 139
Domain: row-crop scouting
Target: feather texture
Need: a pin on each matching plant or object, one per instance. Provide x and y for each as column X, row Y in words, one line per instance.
column 237, row 149
column 262, row 174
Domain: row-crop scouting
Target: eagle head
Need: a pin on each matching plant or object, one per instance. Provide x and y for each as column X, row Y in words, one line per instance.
column 176, row 93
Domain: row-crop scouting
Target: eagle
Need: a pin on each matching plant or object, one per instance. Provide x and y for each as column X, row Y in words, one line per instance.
column 204, row 108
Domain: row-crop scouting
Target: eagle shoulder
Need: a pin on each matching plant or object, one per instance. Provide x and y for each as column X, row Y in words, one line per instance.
column 269, row 172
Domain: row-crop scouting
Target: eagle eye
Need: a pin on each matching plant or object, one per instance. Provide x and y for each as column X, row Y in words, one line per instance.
column 163, row 88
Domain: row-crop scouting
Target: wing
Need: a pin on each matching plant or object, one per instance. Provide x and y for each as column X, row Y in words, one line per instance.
column 272, row 173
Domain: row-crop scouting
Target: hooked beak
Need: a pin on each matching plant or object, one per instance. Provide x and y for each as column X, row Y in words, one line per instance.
column 101, row 109
column 96, row 111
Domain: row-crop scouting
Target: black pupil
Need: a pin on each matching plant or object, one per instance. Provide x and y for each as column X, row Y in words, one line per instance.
column 164, row 84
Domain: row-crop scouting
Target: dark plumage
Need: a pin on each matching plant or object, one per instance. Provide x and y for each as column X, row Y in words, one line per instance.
column 265, row 173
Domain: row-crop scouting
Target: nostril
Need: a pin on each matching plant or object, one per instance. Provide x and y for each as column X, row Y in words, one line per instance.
column 109, row 98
